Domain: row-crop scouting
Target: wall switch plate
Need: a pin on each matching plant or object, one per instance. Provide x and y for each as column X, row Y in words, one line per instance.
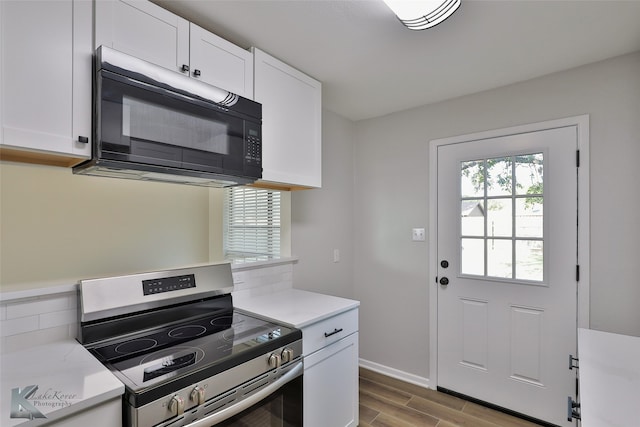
column 418, row 235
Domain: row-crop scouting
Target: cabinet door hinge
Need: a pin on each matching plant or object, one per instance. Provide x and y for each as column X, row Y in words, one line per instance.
column 577, row 158
column 577, row 272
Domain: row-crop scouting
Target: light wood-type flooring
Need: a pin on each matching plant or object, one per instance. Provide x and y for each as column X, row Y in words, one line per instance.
column 388, row 402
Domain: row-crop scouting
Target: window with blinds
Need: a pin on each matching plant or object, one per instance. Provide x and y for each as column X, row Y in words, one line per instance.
column 251, row 223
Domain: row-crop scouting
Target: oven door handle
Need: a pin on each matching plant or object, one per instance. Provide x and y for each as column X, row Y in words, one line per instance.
column 229, row 412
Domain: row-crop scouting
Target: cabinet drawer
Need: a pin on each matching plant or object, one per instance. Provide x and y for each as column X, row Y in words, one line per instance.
column 328, row 331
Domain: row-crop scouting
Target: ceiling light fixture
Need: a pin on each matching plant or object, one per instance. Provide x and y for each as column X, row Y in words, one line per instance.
column 422, row 14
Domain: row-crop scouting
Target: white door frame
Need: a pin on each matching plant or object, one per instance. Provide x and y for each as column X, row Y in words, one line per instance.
column 582, row 124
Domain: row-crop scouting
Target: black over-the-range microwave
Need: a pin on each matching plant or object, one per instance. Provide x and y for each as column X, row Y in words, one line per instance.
column 155, row 124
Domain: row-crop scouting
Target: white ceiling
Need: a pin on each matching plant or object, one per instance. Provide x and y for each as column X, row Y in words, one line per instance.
column 371, row 65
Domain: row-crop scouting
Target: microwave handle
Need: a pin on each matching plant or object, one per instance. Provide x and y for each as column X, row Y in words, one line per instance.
column 229, row 412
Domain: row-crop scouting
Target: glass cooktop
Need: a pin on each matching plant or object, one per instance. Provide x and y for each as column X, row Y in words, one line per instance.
column 171, row 352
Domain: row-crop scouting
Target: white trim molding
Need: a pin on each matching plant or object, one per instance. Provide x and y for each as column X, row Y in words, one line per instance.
column 583, row 300
column 395, row 373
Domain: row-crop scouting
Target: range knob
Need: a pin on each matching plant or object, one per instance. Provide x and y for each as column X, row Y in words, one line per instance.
column 197, row 395
column 287, row 355
column 274, row 361
column 176, row 405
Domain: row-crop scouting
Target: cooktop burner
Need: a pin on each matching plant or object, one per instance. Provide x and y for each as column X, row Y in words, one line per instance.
column 163, row 337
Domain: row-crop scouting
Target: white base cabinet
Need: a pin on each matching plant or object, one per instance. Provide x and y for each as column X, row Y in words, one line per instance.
column 45, row 75
column 331, row 385
column 329, row 328
column 107, row 414
column 331, row 371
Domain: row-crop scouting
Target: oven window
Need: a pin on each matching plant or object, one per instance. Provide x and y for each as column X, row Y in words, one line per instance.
column 153, row 122
column 281, row 409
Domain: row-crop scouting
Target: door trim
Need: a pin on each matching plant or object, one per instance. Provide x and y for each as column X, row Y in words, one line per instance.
column 582, row 125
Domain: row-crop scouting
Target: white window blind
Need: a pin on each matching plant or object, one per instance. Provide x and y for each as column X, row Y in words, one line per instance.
column 252, row 223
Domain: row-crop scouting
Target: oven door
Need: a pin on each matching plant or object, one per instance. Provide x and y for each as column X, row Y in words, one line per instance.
column 276, row 405
column 150, row 125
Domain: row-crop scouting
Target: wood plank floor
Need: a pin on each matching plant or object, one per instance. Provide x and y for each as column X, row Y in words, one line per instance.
column 387, row 402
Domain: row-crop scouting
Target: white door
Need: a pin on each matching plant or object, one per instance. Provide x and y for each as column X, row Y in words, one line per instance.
column 507, row 292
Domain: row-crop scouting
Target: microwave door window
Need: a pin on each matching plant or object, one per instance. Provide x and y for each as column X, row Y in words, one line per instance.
column 160, row 128
column 145, row 121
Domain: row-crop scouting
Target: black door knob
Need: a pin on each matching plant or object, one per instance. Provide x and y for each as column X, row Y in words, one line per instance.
column 185, row 68
column 444, row 281
column 196, row 73
column 444, row 263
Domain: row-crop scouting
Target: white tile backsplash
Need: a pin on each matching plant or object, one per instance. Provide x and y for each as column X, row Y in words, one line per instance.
column 58, row 318
column 19, row 326
column 29, row 339
column 37, row 320
column 263, row 280
column 40, row 305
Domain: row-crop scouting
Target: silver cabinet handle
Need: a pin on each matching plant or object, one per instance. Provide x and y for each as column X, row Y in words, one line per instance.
column 229, row 412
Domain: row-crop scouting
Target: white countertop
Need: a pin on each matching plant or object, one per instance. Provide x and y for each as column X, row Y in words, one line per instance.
column 609, row 379
column 68, row 378
column 294, row 307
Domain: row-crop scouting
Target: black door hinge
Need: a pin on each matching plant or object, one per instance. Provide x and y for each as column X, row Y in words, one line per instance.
column 573, row 409
column 577, row 158
column 573, row 362
column 577, row 273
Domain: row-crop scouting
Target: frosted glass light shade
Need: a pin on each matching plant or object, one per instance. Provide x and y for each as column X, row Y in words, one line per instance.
column 422, row 14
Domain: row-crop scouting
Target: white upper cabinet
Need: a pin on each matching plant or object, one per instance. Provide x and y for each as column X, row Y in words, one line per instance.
column 144, row 30
column 147, row 31
column 221, row 63
column 291, row 123
column 45, row 74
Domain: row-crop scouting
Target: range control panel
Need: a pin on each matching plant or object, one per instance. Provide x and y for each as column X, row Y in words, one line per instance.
column 168, row 284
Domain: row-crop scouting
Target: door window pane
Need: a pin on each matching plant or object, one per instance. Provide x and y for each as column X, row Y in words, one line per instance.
column 472, row 257
column 499, row 218
column 529, row 260
column 499, row 258
column 529, row 174
column 499, row 176
column 472, row 179
column 472, row 217
column 529, row 217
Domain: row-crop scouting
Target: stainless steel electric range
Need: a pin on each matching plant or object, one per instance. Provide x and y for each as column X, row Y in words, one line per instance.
column 185, row 356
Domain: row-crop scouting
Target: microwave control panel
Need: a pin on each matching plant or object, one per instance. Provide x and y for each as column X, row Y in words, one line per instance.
column 253, row 144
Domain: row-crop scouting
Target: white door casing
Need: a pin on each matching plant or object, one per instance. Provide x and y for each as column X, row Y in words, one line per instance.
column 491, row 339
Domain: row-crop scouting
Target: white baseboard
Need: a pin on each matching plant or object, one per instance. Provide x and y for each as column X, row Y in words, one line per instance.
column 395, row 373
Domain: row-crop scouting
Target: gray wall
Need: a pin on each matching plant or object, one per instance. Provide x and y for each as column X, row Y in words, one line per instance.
column 322, row 220
column 390, row 196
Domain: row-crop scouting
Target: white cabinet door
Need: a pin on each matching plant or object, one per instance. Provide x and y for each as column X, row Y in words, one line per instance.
column 46, row 81
column 143, row 30
column 107, row 414
column 291, row 123
column 220, row 63
column 330, row 385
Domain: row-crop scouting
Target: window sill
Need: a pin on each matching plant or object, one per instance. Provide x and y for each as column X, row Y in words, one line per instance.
column 249, row 263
